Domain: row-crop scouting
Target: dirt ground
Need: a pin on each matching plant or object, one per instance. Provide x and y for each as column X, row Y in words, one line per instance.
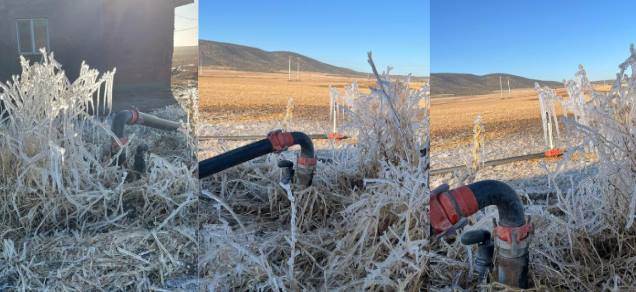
column 253, row 96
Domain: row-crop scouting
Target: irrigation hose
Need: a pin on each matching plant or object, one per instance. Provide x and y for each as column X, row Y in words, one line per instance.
column 275, row 142
column 546, row 154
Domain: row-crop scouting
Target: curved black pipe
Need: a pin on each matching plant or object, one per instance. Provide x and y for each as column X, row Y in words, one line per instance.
column 512, row 265
column 509, row 206
column 234, row 157
column 131, row 117
column 120, row 120
column 305, row 143
column 512, row 236
column 259, row 148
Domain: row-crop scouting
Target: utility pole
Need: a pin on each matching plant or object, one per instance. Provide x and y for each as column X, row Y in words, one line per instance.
column 289, row 71
column 335, row 114
column 500, row 87
column 509, row 87
column 297, row 69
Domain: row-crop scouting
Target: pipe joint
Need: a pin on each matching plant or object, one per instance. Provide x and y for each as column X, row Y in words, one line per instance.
column 134, row 116
column 513, row 242
column 555, row 152
column 280, row 140
column 448, row 207
column 305, row 170
column 307, row 161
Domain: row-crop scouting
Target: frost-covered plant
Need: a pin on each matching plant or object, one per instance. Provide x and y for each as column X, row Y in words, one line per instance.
column 598, row 212
column 70, row 217
column 289, row 114
column 474, row 161
column 45, row 154
column 363, row 223
column 610, row 126
column 584, row 227
column 549, row 117
column 577, row 88
column 389, row 123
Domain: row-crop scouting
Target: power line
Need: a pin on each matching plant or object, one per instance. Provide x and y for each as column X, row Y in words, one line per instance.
column 186, row 17
column 184, row 29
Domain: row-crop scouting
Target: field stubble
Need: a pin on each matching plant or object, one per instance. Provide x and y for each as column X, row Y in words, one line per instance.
column 505, row 117
column 255, row 96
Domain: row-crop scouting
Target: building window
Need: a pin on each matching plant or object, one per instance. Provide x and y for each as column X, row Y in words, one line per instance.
column 33, row 34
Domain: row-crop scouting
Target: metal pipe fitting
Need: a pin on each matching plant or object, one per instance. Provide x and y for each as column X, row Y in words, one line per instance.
column 485, row 251
column 132, row 117
column 512, row 235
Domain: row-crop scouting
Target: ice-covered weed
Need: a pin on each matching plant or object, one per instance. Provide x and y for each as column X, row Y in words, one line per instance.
column 362, row 224
column 71, row 218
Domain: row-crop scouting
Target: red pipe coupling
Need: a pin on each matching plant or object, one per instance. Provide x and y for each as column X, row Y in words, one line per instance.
column 280, row 140
column 513, row 242
column 447, row 208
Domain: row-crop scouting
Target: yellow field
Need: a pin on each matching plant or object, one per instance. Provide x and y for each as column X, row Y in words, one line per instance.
column 252, row 96
column 452, row 117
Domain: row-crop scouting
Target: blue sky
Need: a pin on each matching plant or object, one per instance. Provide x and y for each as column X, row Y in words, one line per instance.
column 539, row 39
column 336, row 32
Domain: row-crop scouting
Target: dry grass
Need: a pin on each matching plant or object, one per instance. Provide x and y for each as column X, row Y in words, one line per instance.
column 362, row 225
column 73, row 220
column 253, row 96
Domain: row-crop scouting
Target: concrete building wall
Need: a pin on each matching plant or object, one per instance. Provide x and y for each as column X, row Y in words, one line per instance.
column 135, row 36
column 139, row 41
column 70, row 41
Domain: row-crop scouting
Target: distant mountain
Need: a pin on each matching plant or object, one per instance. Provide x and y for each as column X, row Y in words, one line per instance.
column 469, row 84
column 244, row 58
column 184, row 56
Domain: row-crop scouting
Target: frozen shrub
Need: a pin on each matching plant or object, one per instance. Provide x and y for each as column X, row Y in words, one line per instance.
column 609, row 125
column 363, row 223
column 71, row 219
column 389, row 124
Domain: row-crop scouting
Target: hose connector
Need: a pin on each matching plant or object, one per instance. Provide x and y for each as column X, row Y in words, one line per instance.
column 449, row 208
column 280, row 140
column 513, row 255
column 513, row 242
column 306, row 164
column 305, row 170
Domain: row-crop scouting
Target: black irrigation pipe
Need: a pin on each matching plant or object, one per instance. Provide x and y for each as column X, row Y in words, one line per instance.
column 501, row 161
column 495, row 162
column 258, row 137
